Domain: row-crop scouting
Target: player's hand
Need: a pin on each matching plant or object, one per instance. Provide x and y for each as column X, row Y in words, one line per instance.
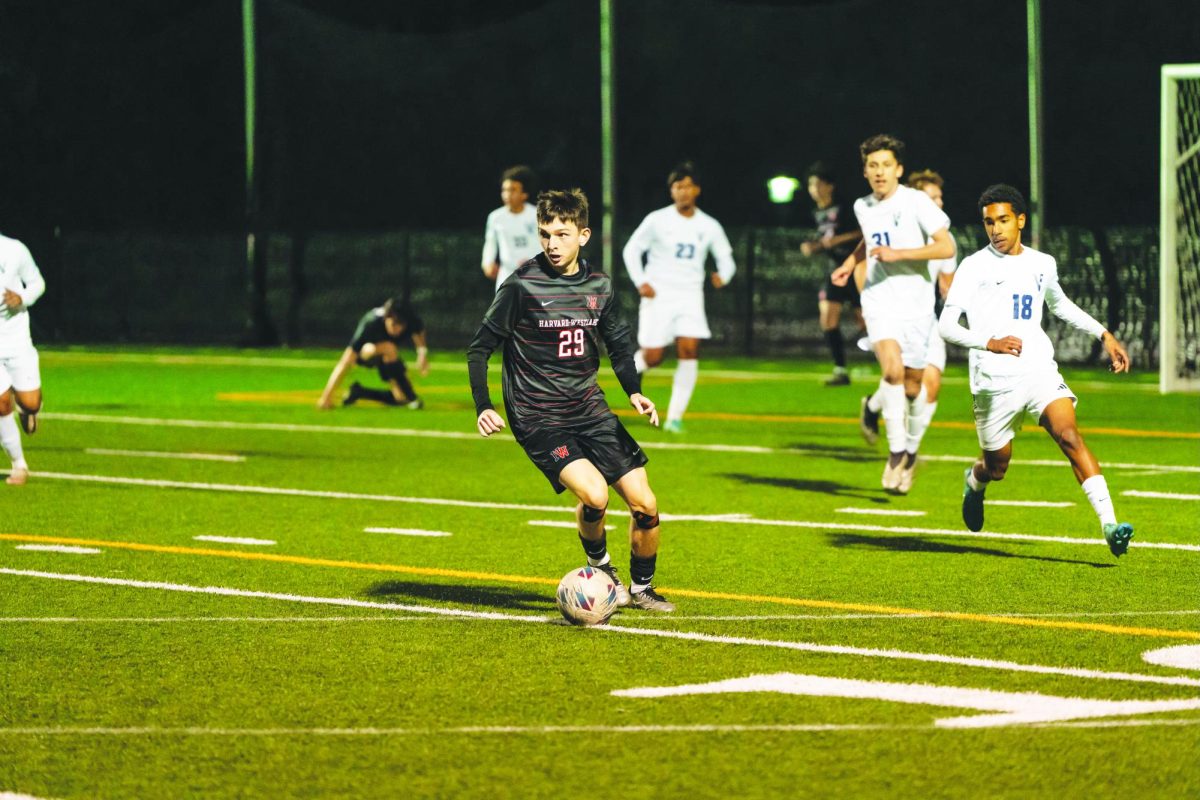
column 423, row 365
column 643, row 405
column 489, row 422
column 886, row 254
column 1120, row 359
column 646, row 290
column 325, row 403
column 841, row 275
column 811, row 248
column 1009, row 344
column 717, row 280
column 12, row 299
column 490, row 271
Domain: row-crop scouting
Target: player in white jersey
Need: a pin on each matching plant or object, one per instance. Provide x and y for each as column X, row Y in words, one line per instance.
column 902, row 230
column 511, row 236
column 923, row 407
column 1001, row 290
column 678, row 239
column 20, row 380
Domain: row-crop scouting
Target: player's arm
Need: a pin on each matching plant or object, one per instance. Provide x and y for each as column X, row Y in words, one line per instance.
column 618, row 340
column 491, row 252
column 841, row 275
column 958, row 302
column 723, row 254
column 421, row 345
column 498, row 324
column 344, row 365
column 31, row 277
column 632, row 254
column 941, row 246
column 1065, row 309
column 944, row 281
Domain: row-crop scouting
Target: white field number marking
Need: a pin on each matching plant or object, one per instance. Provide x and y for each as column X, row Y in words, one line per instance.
column 59, row 548
column 1008, row 708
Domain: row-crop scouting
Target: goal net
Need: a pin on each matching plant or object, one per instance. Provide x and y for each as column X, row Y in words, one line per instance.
column 1179, row 232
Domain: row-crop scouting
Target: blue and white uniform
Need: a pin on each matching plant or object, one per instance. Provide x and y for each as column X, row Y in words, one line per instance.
column 897, row 298
column 18, row 357
column 510, row 239
column 1003, row 295
column 678, row 247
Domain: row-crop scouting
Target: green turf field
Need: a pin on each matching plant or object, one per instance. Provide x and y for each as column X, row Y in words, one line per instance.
column 831, row 640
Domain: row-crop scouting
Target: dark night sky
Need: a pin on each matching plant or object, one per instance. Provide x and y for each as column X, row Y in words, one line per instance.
column 128, row 115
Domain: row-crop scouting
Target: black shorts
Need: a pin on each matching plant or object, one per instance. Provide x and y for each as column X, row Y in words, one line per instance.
column 840, row 294
column 604, row 442
column 376, row 362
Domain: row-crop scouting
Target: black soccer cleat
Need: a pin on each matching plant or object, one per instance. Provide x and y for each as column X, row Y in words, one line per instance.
column 650, row 600
column 29, row 422
column 868, row 422
column 972, row 505
column 622, row 593
column 352, row 394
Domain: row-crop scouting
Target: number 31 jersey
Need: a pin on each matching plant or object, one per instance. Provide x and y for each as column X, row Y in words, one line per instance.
column 906, row 220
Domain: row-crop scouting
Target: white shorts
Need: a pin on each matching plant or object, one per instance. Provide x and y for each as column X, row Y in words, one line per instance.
column 20, row 372
column 935, row 350
column 912, row 334
column 664, row 318
column 999, row 415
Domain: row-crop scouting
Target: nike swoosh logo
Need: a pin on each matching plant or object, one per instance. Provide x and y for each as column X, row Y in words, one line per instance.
column 546, row 302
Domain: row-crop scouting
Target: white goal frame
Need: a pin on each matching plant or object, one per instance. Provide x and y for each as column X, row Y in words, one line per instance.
column 1170, row 161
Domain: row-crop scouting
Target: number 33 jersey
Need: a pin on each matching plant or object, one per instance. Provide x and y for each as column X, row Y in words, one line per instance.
column 906, row 220
column 1004, row 296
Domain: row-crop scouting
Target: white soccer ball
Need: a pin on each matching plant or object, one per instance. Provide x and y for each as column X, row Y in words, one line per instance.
column 586, row 596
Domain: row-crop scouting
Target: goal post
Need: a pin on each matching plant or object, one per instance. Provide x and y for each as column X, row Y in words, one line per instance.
column 1179, row 229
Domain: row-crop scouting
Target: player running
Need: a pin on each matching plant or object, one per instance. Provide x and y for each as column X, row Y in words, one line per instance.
column 550, row 318
column 839, row 234
column 1001, row 290
column 678, row 239
column 510, row 237
column 924, row 405
column 902, row 230
column 376, row 343
column 20, row 380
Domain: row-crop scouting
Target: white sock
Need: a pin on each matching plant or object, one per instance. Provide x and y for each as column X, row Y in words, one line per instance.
column 892, row 404
column 10, row 439
column 639, row 361
column 681, row 387
column 920, row 414
column 601, row 562
column 975, row 484
column 875, row 401
column 1096, row 489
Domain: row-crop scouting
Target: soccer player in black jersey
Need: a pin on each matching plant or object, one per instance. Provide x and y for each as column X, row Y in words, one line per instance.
column 376, row 343
column 550, row 317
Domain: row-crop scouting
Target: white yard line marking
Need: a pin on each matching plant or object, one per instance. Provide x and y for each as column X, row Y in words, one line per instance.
column 235, row 540
column 1030, row 503
column 904, row 617
column 809, row 647
column 1008, row 708
column 160, row 620
column 1160, row 495
column 407, row 531
column 101, row 451
column 475, row 437
column 550, row 523
column 1183, row 656
column 17, row 796
column 59, row 548
column 728, row 519
column 880, row 512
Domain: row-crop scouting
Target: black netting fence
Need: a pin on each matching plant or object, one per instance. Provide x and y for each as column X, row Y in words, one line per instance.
column 154, row 288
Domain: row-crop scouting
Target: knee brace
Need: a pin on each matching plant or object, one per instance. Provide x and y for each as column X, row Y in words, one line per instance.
column 392, row 370
column 645, row 521
column 592, row 514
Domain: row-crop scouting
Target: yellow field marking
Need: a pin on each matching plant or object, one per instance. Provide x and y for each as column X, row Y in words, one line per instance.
column 439, row 572
column 729, row 416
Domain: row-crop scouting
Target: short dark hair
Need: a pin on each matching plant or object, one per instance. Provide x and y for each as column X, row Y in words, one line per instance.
column 570, row 205
column 522, row 173
column 882, row 141
column 685, row 169
column 818, row 169
column 398, row 309
column 925, row 176
column 1003, row 193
